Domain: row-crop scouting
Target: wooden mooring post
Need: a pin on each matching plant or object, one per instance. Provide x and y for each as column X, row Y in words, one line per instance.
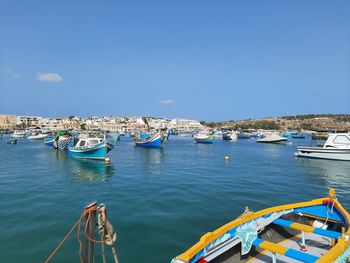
column 89, row 246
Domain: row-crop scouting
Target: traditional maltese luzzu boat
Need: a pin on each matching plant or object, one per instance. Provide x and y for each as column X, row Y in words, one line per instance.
column 313, row 231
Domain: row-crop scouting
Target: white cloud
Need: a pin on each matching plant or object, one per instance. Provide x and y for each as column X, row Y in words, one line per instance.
column 165, row 102
column 49, row 77
column 13, row 74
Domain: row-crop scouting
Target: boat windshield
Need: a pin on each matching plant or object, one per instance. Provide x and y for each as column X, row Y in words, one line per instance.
column 341, row 139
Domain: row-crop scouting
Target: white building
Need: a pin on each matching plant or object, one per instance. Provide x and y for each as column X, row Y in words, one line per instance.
column 29, row 121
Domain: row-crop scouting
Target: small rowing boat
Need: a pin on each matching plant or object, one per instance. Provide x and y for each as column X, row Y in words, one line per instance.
column 204, row 138
column 312, row 231
column 11, row 141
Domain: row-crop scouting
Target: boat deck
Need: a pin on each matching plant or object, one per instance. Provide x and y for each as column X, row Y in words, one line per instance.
column 316, row 245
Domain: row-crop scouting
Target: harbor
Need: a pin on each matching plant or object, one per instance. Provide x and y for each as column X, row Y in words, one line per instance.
column 170, row 195
column 175, row 131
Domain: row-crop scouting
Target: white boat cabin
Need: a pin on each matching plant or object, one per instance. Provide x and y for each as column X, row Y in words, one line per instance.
column 86, row 142
column 338, row 141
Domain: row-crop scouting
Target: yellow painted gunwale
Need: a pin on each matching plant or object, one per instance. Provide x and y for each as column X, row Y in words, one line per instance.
column 331, row 255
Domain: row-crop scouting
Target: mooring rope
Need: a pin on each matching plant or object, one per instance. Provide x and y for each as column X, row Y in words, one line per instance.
column 108, row 236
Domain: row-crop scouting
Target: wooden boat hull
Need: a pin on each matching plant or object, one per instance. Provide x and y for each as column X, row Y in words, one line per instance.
column 267, row 235
column 323, row 153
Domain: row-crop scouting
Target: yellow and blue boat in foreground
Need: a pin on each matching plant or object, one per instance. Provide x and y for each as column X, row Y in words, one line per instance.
column 312, row 231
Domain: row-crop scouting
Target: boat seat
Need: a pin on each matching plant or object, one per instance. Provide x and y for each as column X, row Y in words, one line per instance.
column 306, row 228
column 288, row 252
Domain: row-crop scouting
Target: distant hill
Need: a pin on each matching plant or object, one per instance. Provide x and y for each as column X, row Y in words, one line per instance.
column 315, row 122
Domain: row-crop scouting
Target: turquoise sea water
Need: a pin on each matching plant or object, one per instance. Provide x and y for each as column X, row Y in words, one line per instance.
column 160, row 201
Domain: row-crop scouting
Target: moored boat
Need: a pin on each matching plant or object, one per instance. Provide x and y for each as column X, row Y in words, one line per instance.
column 311, row 231
column 93, row 148
column 319, row 136
column 19, row 134
column 244, row 135
column 337, row 147
column 298, row 136
column 149, row 139
column 204, row 138
column 39, row 136
column 229, row 136
column 49, row 140
column 289, row 133
column 11, row 141
column 272, row 138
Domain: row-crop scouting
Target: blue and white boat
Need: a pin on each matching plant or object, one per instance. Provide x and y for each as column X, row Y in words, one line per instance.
column 298, row 136
column 149, row 139
column 93, row 148
column 244, row 135
column 49, row 141
column 288, row 134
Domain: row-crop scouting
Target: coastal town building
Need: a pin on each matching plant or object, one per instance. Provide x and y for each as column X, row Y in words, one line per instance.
column 7, row 121
column 134, row 123
column 28, row 121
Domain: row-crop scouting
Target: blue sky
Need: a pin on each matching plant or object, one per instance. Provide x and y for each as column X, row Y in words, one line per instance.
column 208, row 60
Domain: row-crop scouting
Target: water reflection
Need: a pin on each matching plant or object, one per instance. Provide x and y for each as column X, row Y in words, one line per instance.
column 85, row 170
column 334, row 173
column 149, row 157
column 274, row 149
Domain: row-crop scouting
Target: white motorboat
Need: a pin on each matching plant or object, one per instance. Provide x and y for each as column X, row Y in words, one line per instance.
column 272, row 138
column 229, row 136
column 337, row 147
column 39, row 136
column 19, row 134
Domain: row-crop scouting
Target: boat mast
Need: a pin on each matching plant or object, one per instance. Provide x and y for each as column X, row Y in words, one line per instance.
column 146, row 122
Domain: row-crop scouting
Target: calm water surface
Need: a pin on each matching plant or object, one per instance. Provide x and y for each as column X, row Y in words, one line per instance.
column 159, row 200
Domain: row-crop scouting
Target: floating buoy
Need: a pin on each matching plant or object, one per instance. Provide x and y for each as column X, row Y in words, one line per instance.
column 107, row 160
column 226, row 158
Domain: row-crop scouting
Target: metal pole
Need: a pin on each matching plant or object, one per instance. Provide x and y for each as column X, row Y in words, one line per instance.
column 303, row 245
column 89, row 246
